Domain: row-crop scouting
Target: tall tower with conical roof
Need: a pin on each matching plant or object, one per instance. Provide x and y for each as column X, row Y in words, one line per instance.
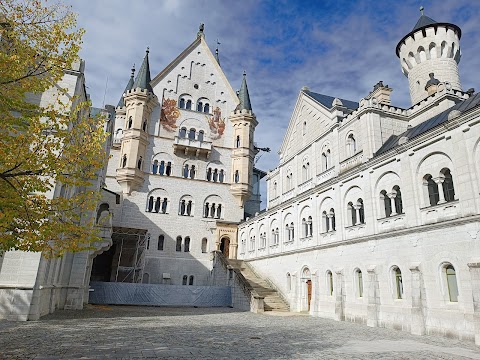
column 136, row 104
column 430, row 48
column 244, row 122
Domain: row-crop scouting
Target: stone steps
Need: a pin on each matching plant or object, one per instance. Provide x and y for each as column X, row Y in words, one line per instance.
column 272, row 301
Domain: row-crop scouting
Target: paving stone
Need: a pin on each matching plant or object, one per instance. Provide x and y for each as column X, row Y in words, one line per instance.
column 127, row 332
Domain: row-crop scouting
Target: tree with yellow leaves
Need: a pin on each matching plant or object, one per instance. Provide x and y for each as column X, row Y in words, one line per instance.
column 44, row 145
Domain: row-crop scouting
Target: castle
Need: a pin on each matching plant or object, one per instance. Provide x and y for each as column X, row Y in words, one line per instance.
column 373, row 211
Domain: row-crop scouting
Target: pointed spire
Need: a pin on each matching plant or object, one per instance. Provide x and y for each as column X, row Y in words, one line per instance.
column 143, row 78
column 243, row 95
column 129, row 86
column 216, row 53
column 200, row 32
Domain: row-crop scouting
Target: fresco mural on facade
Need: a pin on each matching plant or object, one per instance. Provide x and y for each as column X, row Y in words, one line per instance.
column 216, row 123
column 169, row 114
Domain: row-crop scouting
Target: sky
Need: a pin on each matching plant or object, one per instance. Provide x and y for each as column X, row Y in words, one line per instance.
column 340, row 48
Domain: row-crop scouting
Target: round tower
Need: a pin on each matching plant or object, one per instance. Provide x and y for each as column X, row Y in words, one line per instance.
column 430, row 48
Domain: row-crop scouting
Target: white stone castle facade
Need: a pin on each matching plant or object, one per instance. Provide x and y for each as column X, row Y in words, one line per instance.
column 373, row 211
column 182, row 168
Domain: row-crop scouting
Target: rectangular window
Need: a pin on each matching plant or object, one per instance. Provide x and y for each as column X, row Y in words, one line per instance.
column 161, row 242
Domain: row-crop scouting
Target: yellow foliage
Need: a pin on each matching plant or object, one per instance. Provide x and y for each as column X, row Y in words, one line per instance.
column 44, row 146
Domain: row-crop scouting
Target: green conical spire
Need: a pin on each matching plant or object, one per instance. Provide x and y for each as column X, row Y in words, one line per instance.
column 143, row 78
column 243, row 95
column 129, row 86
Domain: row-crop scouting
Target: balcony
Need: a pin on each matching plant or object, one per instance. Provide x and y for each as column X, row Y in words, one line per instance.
column 440, row 212
column 351, row 162
column 117, row 142
column 391, row 223
column 326, row 175
column 192, row 147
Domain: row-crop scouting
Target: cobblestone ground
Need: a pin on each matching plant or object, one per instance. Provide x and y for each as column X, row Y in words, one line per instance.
column 123, row 332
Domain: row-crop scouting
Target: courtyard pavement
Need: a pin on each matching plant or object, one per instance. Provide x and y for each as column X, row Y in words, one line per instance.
column 131, row 332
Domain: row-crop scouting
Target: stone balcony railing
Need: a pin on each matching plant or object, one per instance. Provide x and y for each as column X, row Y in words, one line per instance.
column 326, row 175
column 117, row 142
column 351, row 162
column 305, row 186
column 391, row 223
column 440, row 212
column 192, row 147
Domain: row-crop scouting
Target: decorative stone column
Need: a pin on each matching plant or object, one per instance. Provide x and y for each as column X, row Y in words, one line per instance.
column 392, row 197
column 417, row 325
column 474, row 268
column 373, row 297
column 439, row 181
column 339, row 296
column 330, row 221
column 357, row 211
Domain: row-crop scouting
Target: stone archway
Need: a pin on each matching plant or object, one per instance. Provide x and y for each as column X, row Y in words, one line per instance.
column 306, row 294
column 225, row 246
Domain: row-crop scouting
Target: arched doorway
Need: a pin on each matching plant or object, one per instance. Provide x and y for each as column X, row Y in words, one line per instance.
column 306, row 290
column 225, row 246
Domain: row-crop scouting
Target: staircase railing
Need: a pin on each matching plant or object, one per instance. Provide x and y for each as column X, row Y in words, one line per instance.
column 250, row 300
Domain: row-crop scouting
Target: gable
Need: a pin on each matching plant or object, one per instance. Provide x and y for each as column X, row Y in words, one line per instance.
column 317, row 119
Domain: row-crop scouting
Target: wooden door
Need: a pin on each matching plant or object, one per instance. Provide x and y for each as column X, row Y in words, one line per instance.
column 225, row 247
column 309, row 293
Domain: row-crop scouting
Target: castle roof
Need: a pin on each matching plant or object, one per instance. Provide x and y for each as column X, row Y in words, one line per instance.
column 464, row 106
column 327, row 101
column 243, row 95
column 129, row 86
column 143, row 78
column 423, row 23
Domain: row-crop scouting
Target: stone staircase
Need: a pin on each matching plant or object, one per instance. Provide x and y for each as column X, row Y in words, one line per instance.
column 272, row 300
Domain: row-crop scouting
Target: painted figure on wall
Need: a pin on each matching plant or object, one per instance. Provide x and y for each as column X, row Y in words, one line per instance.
column 216, row 123
column 169, row 114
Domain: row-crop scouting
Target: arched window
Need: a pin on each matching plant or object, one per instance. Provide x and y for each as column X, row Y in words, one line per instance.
column 387, row 205
column 200, row 135
column 178, row 245
column 330, row 282
column 189, row 208
column 157, row 204
column 310, row 226
column 144, row 126
column 447, row 185
column 164, row 205
column 292, row 229
column 168, row 170
column 352, row 145
column 421, row 53
column 398, row 200
column 359, row 283
column 361, row 211
column 206, row 210
column 161, row 242
column 155, row 167
column 102, row 208
column 148, row 241
column 305, row 227
column 324, row 162
column 130, row 123
column 288, row 234
column 451, row 283
column 124, row 160
column 237, row 142
column 237, row 176
column 182, row 208
column 221, row 176
column 192, row 172
column 188, row 105
column 289, row 282
column 212, row 210
column 206, row 108
column 332, row 220
column 161, row 168
column 433, row 195
column 353, row 213
column 204, row 245
column 150, row 203
column 219, row 211
column 398, row 283
column 443, row 49
column 184, row 281
column 199, row 106
column 304, row 127
column 182, row 103
column 186, row 247
column 185, row 171
column 326, row 221
column 183, row 132
column 191, row 134
column 139, row 163
column 277, row 236
column 432, row 49
column 215, row 175
column 305, row 171
column 190, row 280
column 209, row 174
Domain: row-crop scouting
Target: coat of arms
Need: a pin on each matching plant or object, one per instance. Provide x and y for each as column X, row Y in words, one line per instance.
column 169, row 114
column 216, row 123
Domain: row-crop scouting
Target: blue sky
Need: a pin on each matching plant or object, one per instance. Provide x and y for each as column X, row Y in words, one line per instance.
column 339, row 48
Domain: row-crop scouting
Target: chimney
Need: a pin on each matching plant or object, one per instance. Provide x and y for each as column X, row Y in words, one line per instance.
column 381, row 93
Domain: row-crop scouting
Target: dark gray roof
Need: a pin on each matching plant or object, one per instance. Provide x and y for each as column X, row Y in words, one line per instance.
column 423, row 21
column 429, row 124
column 327, row 101
column 143, row 78
column 129, row 86
column 243, row 95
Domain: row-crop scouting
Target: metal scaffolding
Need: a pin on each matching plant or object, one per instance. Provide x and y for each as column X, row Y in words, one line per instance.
column 130, row 254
